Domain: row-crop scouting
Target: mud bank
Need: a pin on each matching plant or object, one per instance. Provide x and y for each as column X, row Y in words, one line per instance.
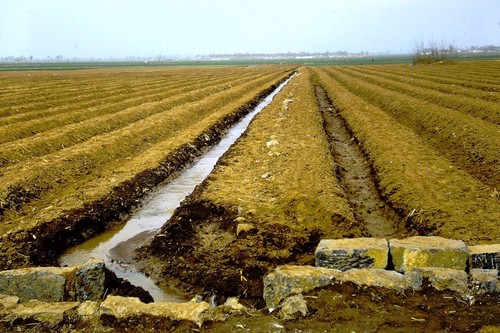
column 42, row 244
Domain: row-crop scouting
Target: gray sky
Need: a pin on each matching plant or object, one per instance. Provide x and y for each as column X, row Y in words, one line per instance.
column 120, row 28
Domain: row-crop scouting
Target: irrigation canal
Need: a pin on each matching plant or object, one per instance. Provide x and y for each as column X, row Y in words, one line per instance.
column 156, row 209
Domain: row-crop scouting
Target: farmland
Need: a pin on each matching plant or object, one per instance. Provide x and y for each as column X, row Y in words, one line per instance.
column 79, row 149
column 434, row 163
column 433, row 155
column 75, row 141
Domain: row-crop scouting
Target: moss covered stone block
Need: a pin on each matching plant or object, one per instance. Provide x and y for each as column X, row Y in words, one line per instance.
column 484, row 256
column 375, row 277
column 437, row 277
column 348, row 253
column 420, row 251
column 289, row 279
column 485, row 280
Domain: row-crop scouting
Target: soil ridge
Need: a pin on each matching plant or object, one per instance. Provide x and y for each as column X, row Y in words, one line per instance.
column 41, row 245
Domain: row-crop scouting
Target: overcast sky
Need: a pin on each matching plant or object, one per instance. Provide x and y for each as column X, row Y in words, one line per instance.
column 120, row 28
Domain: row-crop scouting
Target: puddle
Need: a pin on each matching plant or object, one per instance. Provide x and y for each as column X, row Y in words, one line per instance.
column 115, row 246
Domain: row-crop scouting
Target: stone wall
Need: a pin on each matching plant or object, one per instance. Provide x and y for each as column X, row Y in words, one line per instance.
column 410, row 263
column 50, row 295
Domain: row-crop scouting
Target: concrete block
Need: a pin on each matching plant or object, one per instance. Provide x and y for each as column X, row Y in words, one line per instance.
column 431, row 251
column 348, row 253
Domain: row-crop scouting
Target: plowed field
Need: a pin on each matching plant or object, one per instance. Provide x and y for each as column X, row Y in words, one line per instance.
column 383, row 151
column 433, row 156
column 79, row 148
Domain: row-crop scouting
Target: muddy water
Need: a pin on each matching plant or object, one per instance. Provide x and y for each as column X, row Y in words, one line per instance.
column 115, row 246
column 355, row 174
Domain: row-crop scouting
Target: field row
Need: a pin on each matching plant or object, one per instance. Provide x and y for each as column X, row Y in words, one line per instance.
column 60, row 132
column 72, row 166
column 416, row 166
column 469, row 142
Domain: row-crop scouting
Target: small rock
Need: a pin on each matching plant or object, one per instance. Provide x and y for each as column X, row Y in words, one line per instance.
column 285, row 103
column 485, row 280
column 348, row 253
column 243, row 229
column 288, row 279
column 439, row 278
column 266, row 175
column 484, row 256
column 293, row 306
column 375, row 277
column 234, row 304
column 8, row 302
column 420, row 251
column 271, row 143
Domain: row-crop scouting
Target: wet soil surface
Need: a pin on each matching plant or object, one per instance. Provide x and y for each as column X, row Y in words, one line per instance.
column 355, row 174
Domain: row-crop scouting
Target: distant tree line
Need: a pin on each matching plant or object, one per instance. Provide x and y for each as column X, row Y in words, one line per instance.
column 438, row 52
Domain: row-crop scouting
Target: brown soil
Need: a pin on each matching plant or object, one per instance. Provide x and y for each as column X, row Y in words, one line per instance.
column 355, row 174
column 41, row 243
column 349, row 308
column 197, row 250
column 281, row 179
column 435, row 196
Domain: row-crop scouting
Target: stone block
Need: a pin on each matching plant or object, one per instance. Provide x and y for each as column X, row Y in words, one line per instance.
column 90, row 280
column 485, row 280
column 46, row 284
column 375, row 277
column 288, row 280
column 125, row 308
column 347, row 253
column 437, row 277
column 419, row 251
column 484, row 256
column 293, row 306
column 88, row 309
column 7, row 303
column 36, row 311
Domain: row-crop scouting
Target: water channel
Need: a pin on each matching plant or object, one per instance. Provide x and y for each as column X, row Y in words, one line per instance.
column 156, row 209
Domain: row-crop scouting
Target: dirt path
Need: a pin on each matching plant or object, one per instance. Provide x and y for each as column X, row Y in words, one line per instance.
column 355, row 174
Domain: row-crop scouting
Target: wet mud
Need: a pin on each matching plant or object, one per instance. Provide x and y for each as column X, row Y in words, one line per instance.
column 355, row 174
